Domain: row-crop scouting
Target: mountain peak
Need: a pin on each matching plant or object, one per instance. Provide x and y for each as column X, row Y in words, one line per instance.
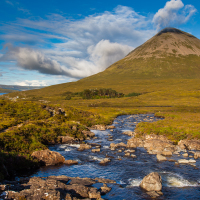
column 173, row 30
column 169, row 41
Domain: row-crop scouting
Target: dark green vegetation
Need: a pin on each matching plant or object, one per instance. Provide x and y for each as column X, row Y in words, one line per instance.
column 162, row 76
column 26, row 127
column 101, row 93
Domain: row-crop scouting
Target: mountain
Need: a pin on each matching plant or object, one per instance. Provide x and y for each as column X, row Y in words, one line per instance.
column 163, row 61
column 171, row 53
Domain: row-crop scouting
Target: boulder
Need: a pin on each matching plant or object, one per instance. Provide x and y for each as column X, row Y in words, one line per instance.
column 71, row 162
column 161, row 158
column 65, row 139
column 152, row 182
column 84, row 147
column 48, row 157
column 189, row 144
column 135, row 142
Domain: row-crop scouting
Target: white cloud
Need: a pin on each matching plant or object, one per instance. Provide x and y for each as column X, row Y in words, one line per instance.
column 174, row 13
column 31, row 83
column 106, row 53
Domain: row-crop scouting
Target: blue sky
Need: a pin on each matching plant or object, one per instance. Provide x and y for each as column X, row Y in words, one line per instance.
column 49, row 42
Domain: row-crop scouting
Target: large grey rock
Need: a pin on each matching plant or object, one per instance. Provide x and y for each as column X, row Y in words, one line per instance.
column 152, row 182
column 48, row 157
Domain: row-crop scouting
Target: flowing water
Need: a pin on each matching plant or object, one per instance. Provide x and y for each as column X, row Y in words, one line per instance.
column 180, row 182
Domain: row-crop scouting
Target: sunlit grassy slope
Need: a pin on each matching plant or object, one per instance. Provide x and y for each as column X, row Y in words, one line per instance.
column 165, row 70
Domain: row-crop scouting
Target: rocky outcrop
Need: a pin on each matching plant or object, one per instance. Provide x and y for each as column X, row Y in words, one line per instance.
column 135, row 142
column 56, row 188
column 189, row 144
column 152, row 182
column 47, row 157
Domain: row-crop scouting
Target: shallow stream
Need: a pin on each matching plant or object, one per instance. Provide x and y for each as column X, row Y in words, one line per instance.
column 180, row 182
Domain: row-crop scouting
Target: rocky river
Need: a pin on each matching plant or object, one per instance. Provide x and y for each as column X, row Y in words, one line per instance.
column 127, row 166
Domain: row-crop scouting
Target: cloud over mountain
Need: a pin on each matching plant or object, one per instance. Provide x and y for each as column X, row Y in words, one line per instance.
column 174, row 13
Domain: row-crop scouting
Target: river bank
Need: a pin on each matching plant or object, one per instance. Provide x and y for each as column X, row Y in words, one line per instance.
column 180, row 181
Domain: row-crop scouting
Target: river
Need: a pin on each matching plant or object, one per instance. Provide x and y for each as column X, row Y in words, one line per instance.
column 2, row 93
column 180, row 182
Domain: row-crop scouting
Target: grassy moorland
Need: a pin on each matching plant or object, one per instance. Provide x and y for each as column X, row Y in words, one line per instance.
column 29, row 126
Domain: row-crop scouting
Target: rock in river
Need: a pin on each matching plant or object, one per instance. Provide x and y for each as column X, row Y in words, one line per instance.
column 161, row 158
column 48, row 157
column 152, row 182
column 84, row 147
column 71, row 162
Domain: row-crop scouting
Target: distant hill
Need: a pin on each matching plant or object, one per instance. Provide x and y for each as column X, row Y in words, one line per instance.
column 169, row 60
column 14, row 88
